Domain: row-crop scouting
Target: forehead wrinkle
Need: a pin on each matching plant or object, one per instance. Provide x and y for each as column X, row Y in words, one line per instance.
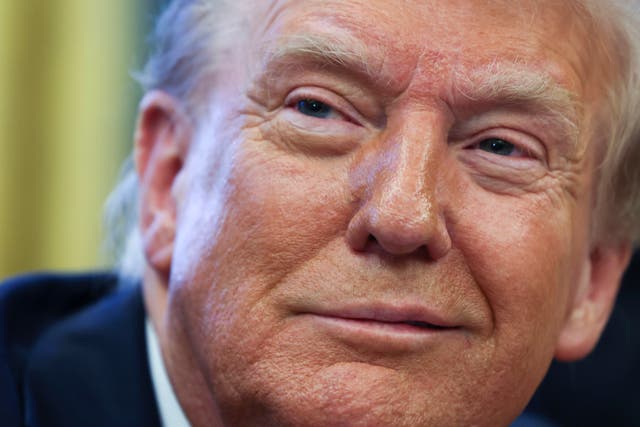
column 520, row 86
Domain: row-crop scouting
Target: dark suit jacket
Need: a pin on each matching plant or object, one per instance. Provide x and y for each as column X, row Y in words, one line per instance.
column 604, row 388
column 73, row 353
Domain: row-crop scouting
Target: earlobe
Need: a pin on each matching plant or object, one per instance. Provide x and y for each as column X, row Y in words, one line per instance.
column 162, row 137
column 593, row 301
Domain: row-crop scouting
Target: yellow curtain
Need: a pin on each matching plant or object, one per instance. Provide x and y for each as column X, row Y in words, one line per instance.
column 67, row 106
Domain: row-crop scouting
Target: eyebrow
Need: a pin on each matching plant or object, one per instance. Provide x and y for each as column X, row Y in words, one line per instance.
column 344, row 51
column 503, row 83
column 520, row 86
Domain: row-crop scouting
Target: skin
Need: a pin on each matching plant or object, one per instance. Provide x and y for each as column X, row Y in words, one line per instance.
column 266, row 228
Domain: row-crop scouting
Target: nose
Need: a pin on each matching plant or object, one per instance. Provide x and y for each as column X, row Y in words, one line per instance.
column 399, row 184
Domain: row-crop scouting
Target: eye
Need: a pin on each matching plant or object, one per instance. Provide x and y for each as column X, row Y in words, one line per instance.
column 498, row 146
column 314, row 108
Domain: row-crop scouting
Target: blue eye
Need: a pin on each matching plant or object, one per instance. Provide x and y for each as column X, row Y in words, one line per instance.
column 497, row 146
column 314, row 108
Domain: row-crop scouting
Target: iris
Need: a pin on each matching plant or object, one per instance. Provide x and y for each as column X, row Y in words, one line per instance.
column 314, row 108
column 497, row 146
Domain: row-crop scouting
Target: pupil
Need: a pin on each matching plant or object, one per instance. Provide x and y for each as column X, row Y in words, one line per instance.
column 497, row 146
column 314, row 108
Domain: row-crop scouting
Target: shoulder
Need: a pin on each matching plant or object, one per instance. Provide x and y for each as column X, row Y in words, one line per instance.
column 33, row 304
column 66, row 343
column 38, row 300
column 29, row 306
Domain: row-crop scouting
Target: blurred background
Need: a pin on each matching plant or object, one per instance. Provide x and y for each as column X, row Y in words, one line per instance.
column 67, row 111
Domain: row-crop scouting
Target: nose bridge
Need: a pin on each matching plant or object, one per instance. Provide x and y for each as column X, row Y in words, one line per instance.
column 400, row 205
column 408, row 180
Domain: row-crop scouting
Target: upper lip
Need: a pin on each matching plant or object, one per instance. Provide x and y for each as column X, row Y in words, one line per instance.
column 410, row 314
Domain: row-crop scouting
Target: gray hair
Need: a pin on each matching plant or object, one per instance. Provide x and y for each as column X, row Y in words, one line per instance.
column 188, row 41
column 617, row 210
column 192, row 39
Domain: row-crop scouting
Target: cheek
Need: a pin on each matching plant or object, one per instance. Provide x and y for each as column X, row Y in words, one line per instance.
column 267, row 215
column 519, row 251
column 285, row 210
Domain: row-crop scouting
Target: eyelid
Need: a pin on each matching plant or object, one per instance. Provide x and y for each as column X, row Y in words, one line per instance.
column 529, row 145
column 334, row 101
column 518, row 151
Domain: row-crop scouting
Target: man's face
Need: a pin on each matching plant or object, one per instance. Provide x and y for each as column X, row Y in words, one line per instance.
column 383, row 217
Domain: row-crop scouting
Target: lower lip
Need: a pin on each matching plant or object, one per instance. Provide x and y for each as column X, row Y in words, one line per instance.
column 380, row 336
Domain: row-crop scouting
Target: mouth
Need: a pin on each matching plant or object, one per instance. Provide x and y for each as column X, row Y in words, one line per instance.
column 403, row 325
column 415, row 316
column 424, row 325
column 382, row 328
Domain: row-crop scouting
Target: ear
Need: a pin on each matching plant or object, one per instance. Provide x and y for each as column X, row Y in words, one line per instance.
column 161, row 140
column 593, row 300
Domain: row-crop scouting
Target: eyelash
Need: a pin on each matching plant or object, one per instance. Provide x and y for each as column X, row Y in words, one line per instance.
column 525, row 150
column 321, row 107
column 296, row 97
column 517, row 151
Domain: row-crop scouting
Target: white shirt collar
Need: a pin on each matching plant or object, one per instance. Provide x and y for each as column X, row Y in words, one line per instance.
column 171, row 414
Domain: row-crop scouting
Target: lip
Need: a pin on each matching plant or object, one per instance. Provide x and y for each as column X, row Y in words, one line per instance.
column 411, row 315
column 384, row 328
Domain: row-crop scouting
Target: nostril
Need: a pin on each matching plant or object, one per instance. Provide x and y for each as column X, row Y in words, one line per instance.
column 387, row 232
column 374, row 245
column 371, row 243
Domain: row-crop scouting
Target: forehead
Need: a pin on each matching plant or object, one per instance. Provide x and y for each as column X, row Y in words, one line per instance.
column 438, row 39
